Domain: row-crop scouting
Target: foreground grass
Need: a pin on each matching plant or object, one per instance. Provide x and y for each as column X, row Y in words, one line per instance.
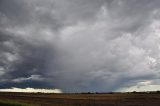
column 11, row 103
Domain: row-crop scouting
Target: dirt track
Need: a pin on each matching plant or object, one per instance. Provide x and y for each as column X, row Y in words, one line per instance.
column 125, row 99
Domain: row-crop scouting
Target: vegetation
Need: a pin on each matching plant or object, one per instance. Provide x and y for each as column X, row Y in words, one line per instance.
column 11, row 103
column 81, row 99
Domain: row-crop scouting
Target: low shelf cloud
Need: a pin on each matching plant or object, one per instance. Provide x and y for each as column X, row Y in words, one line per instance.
column 79, row 45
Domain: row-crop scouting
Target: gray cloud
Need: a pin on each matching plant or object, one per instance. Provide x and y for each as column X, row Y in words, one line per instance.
column 77, row 46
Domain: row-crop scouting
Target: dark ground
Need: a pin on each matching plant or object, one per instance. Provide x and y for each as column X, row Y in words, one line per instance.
column 103, row 99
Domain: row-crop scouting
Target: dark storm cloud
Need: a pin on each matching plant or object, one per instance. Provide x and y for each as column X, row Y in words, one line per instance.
column 22, row 62
column 14, row 11
column 79, row 45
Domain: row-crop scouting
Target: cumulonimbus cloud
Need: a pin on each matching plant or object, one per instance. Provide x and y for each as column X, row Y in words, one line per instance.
column 56, row 44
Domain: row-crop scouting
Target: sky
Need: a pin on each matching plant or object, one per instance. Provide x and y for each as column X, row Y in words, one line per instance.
column 80, row 45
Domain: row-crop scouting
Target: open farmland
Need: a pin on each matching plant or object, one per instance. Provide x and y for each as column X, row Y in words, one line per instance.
column 116, row 99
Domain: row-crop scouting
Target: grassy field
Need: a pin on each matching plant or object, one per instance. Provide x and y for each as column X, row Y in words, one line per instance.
column 116, row 99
